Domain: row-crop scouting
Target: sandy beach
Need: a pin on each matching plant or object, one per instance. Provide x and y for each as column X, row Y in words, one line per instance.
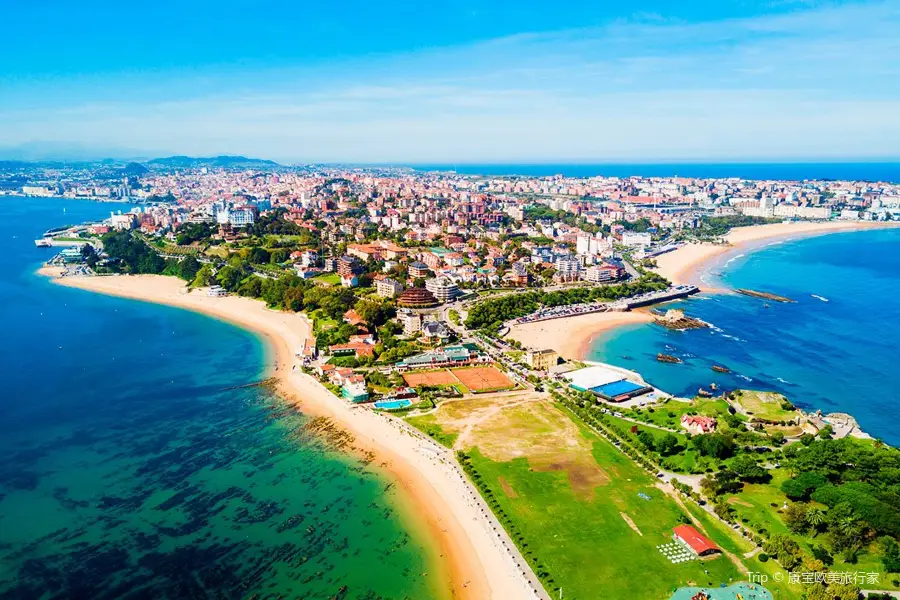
column 572, row 337
column 475, row 559
column 686, row 264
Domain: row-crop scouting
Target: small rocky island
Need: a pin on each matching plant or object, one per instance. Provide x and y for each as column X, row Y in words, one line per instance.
column 763, row 295
column 668, row 358
column 675, row 318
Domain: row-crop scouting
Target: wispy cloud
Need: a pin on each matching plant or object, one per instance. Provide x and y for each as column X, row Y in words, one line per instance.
column 819, row 82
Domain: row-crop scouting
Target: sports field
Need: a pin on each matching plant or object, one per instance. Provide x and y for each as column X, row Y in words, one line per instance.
column 482, row 379
column 442, row 377
column 584, row 513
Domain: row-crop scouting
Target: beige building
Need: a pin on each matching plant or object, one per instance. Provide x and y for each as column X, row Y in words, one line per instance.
column 411, row 321
column 387, row 287
column 541, row 360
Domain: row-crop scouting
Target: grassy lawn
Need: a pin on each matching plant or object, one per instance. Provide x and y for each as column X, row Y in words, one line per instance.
column 730, row 540
column 686, row 461
column 321, row 322
column 218, row 251
column 574, row 499
column 754, row 503
column 329, row 279
column 669, row 413
column 428, row 425
column 585, row 542
column 764, row 405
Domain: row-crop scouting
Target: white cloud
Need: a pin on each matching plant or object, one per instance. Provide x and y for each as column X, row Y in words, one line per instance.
column 817, row 83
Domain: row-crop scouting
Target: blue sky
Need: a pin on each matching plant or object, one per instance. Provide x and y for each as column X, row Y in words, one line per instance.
column 454, row 81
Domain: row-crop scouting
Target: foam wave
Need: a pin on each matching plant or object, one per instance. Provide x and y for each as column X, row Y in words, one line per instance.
column 732, row 337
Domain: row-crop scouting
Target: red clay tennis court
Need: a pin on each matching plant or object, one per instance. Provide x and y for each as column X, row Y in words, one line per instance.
column 481, row 379
column 442, row 377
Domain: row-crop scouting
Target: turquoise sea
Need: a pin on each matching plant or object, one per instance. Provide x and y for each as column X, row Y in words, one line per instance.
column 834, row 349
column 129, row 469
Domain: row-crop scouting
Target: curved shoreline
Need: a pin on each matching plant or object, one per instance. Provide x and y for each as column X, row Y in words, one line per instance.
column 473, row 561
column 572, row 337
column 688, row 264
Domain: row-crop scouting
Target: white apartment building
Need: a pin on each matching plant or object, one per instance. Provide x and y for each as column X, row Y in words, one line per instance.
column 597, row 274
column 636, row 239
column 238, row 217
column 120, row 221
column 443, row 289
column 567, row 268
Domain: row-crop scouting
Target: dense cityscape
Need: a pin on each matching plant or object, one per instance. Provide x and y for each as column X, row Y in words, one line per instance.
column 401, row 297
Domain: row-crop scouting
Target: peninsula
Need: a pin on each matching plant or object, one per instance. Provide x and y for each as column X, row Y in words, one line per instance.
column 430, row 322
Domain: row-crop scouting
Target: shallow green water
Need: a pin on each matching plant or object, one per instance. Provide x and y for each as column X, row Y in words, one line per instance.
column 128, row 469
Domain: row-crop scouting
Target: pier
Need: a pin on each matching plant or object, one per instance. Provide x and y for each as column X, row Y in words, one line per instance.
column 626, row 304
column 676, row 292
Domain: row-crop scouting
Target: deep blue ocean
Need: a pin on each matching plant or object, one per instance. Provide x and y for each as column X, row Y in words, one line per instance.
column 129, row 469
column 855, row 171
column 835, row 349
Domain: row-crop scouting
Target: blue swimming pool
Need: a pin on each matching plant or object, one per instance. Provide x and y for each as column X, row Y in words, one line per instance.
column 393, row 404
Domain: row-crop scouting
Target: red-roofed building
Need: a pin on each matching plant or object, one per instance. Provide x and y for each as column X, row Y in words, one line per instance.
column 695, row 541
column 358, row 349
column 353, row 318
column 697, row 424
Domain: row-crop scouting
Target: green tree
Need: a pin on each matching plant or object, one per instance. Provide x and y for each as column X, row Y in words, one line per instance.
column 748, row 470
column 890, row 554
column 259, row 256
column 229, row 277
column 204, row 277
column 816, row 517
column 646, row 439
column 795, row 518
column 251, row 287
column 188, row 268
column 667, row 444
column 801, row 486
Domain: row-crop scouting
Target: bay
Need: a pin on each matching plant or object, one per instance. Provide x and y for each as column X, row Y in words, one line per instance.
column 131, row 467
column 835, row 348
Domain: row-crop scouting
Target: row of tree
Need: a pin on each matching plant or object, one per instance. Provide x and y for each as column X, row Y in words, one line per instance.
column 491, row 313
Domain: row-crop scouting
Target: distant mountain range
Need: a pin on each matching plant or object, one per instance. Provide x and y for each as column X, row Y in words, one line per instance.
column 220, row 162
column 139, row 166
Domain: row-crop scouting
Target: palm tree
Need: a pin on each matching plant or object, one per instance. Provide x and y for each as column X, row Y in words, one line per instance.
column 850, row 528
column 815, row 517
